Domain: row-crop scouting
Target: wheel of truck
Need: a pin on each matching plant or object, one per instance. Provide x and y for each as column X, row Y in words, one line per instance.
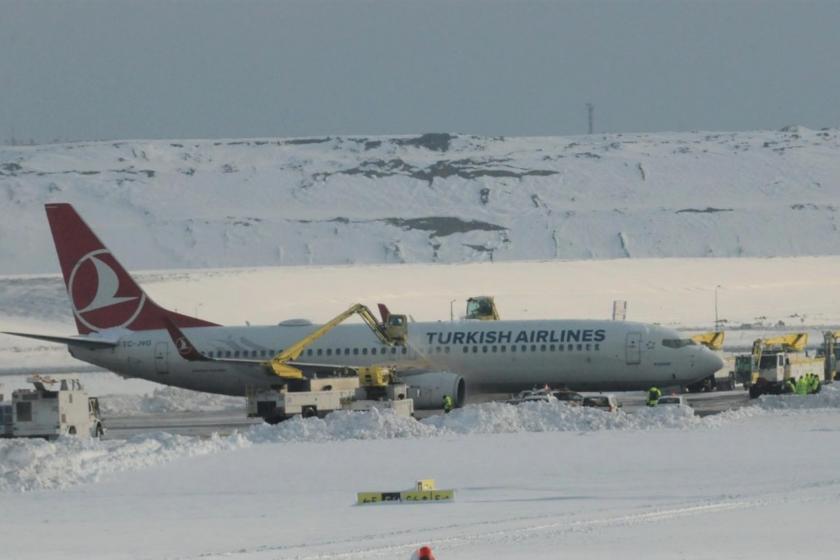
column 71, row 430
column 308, row 411
column 99, row 432
column 273, row 419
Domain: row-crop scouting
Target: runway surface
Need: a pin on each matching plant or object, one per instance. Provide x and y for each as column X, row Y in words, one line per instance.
column 205, row 424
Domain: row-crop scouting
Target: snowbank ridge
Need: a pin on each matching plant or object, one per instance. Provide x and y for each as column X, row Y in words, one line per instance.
column 27, row 465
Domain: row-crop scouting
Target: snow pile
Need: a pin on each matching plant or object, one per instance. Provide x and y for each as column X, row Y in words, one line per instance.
column 495, row 417
column 829, row 397
column 343, row 425
column 165, row 400
column 33, row 464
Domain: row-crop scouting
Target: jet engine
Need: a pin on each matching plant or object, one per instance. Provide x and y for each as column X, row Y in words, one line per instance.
column 428, row 389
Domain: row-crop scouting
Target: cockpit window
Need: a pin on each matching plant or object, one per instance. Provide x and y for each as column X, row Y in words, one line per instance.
column 678, row 342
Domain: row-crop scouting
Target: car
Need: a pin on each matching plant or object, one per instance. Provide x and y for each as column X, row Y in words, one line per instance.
column 532, row 395
column 604, row 402
column 569, row 397
column 672, row 400
column 543, row 397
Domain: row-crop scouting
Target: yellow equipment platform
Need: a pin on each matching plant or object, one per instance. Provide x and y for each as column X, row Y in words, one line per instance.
column 423, row 491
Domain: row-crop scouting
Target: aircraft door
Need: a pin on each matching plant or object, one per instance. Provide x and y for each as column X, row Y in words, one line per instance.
column 633, row 348
column 162, row 358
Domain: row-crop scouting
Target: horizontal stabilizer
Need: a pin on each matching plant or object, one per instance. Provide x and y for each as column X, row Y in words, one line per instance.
column 86, row 341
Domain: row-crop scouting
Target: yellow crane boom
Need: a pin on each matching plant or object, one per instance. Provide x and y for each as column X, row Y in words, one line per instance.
column 394, row 332
column 711, row 340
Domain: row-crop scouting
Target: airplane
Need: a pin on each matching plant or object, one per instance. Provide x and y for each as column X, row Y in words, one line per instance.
column 122, row 330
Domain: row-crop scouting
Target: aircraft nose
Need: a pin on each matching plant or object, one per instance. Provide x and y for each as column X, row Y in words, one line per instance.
column 710, row 361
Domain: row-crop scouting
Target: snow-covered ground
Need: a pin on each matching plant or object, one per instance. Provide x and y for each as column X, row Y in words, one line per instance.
column 430, row 198
column 535, row 481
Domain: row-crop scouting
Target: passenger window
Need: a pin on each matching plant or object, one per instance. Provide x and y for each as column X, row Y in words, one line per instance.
column 404, row 350
column 551, row 348
column 597, row 347
column 588, row 347
column 227, row 354
column 320, row 351
column 533, row 348
column 502, row 348
column 329, row 351
column 355, row 351
column 346, row 351
column 513, row 347
column 494, row 349
column 570, row 347
column 484, row 349
column 560, row 347
column 542, row 347
column 393, row 350
column 580, row 347
column 236, row 354
column 446, row 349
column 475, row 349
column 437, row 349
column 466, row 349
column 373, row 351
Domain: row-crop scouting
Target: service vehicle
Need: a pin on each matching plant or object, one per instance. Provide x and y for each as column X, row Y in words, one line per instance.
column 773, row 361
column 361, row 392
column 48, row 413
column 569, row 397
column 604, row 402
column 679, row 400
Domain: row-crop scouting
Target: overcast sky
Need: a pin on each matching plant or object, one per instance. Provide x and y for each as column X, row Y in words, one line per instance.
column 153, row 69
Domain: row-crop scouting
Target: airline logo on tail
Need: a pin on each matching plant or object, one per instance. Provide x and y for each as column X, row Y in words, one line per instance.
column 94, row 285
column 102, row 292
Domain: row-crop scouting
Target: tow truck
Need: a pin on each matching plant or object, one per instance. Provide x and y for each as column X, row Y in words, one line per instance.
column 773, row 361
column 47, row 413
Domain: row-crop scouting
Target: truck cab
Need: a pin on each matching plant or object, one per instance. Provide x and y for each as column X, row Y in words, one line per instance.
column 48, row 413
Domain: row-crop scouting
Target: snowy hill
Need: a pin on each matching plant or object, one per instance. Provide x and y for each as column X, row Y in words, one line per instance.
column 429, row 198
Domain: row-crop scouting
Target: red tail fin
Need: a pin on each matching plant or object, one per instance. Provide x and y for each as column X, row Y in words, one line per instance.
column 102, row 293
column 384, row 312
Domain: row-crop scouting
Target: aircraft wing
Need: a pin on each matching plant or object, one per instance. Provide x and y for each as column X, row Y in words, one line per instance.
column 50, row 370
column 79, row 340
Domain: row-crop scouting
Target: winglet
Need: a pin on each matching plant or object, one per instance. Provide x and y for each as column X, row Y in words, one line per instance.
column 185, row 348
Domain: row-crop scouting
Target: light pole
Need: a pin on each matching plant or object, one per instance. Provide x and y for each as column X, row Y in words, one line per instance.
column 717, row 322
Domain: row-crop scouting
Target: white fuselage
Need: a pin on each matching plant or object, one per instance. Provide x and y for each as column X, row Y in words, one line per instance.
column 491, row 356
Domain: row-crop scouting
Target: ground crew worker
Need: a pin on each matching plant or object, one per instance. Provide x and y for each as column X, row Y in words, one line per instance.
column 802, row 386
column 653, row 396
column 448, row 404
column 423, row 553
column 790, row 386
column 814, row 385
